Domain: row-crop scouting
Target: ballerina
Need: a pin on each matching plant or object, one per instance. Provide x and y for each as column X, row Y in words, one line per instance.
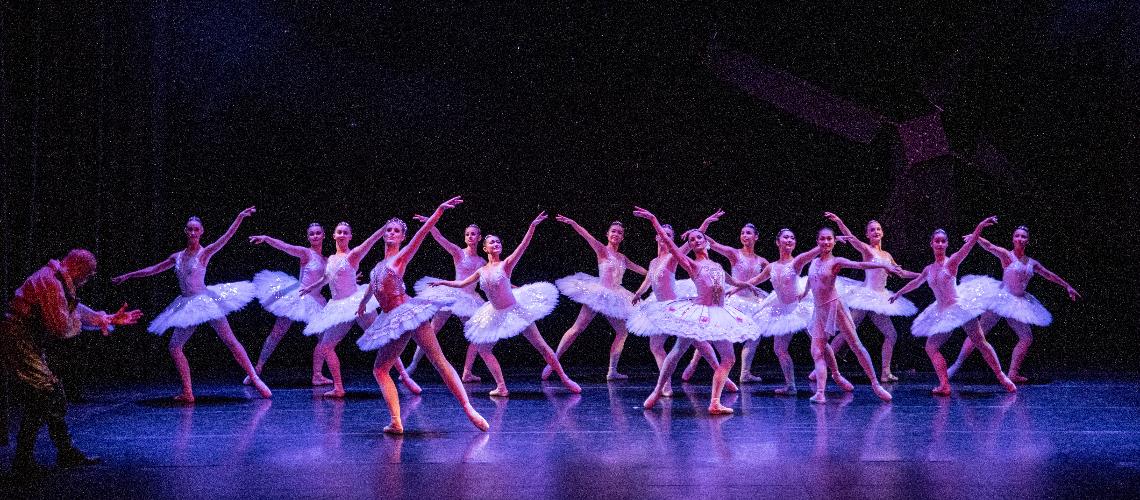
column 661, row 277
column 704, row 317
column 277, row 293
column 953, row 306
column 334, row 321
column 464, row 300
column 869, row 298
column 745, row 264
column 831, row 315
column 788, row 309
column 404, row 317
column 1007, row 299
column 603, row 294
column 509, row 311
column 200, row 303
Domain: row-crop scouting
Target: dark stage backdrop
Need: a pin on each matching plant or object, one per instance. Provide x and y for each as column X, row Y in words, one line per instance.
column 119, row 121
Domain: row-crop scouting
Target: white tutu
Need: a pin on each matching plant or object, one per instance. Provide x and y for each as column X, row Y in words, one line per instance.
column 463, row 303
column 532, row 303
column 390, row 325
column 216, row 302
column 940, row 319
column 747, row 301
column 277, row 293
column 856, row 295
column 775, row 318
column 686, row 318
column 997, row 298
column 339, row 311
column 589, row 291
column 638, row 322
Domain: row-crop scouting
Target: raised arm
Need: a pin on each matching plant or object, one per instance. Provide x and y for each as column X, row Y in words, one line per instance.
column 914, row 283
column 724, row 250
column 704, row 228
column 863, row 248
column 595, row 245
column 413, row 246
column 211, row 249
column 513, row 259
column 961, row 254
column 449, row 247
column 1051, row 276
column 802, row 259
column 294, row 250
column 305, row 290
column 146, row 271
column 457, row 284
column 357, row 254
column 1002, row 254
column 681, row 258
column 633, row 266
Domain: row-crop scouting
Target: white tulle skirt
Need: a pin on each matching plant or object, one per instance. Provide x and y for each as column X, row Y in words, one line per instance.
column 277, row 293
column 463, row 303
column 532, row 303
column 856, row 295
column 746, row 301
column 685, row 318
column 339, row 311
column 775, row 318
column 938, row 318
column 1026, row 308
column 190, row 310
column 390, row 325
column 589, row 291
column 638, row 322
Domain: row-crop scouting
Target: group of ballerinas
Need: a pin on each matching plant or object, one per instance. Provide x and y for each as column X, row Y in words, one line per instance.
column 711, row 311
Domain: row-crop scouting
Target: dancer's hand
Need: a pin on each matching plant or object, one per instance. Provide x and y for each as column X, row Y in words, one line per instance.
column 360, row 278
column 988, row 221
column 895, row 269
column 538, row 220
column 257, row 240
column 117, row 280
column 1073, row 294
column 247, row 212
column 832, row 217
column 420, row 218
column 449, row 204
column 305, row 290
column 895, row 296
column 714, row 217
column 121, row 317
column 644, row 214
column 636, row 299
column 565, row 220
column 360, row 309
column 844, row 239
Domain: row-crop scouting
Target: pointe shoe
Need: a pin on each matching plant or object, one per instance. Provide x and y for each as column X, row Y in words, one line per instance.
column 614, row 375
column 412, row 386
column 246, row 380
column 572, row 386
column 394, row 428
column 335, row 393
column 262, row 388
column 887, row 378
column 184, row 398
column 470, row 378
column 667, row 391
column 1008, row 384
column 942, row 390
column 689, row 372
column 476, row 418
column 819, row 397
column 730, row 386
column 952, row 370
column 811, row 376
column 843, row 383
column 881, row 393
column 546, row 372
column 749, row 378
column 651, row 401
column 499, row 392
column 785, row 391
column 1018, row 379
column 321, row 380
column 715, row 408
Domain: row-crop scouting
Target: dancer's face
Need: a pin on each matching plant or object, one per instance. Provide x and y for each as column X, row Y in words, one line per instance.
column 747, row 236
column 342, row 234
column 825, row 239
column 939, row 243
column 492, row 245
column 668, row 232
column 393, row 234
column 193, row 230
column 697, row 241
column 616, row 234
column 786, row 241
column 874, row 232
column 316, row 235
column 1020, row 238
column 472, row 235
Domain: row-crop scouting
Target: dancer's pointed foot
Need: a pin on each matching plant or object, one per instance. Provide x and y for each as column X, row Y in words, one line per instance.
column 336, row 392
column 476, row 418
column 262, row 388
column 394, row 428
column 245, row 381
column 888, row 377
column 412, row 386
column 546, row 372
column 1018, row 379
column 749, row 378
column 819, row 397
column 571, row 385
column 614, row 375
column 788, row 390
column 953, row 370
column 842, row 382
column 730, row 386
column 667, row 391
column 319, row 380
column 715, row 408
column 881, row 393
column 499, row 392
column 1007, row 384
column 469, row 377
column 689, row 371
column 184, row 397
column 811, row 375
column 651, row 401
column 942, row 390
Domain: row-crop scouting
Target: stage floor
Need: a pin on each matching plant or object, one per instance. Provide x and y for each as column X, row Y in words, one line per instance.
column 1067, row 437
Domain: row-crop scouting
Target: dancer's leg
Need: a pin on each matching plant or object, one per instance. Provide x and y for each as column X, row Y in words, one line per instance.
column 584, row 317
column 668, row 366
column 535, row 338
column 974, row 330
column 426, row 339
column 222, row 327
column 747, row 354
column 780, row 344
column 620, row 334
column 496, row 370
column 988, row 321
column 847, row 329
column 178, row 339
column 727, row 359
column 890, row 337
column 386, row 356
column 280, row 327
column 326, row 350
column 1024, row 340
column 933, row 343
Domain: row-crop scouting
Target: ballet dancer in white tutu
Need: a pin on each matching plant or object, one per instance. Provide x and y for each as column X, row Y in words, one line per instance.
column 509, row 311
column 870, row 298
column 277, row 293
column 602, row 294
column 704, row 317
column 200, row 303
column 1008, row 300
column 830, row 315
column 788, row 309
column 662, row 278
column 403, row 317
column 954, row 306
column 464, row 301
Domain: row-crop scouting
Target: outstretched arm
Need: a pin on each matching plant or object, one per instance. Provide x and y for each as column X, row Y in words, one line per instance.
column 863, row 248
column 633, row 266
column 146, row 271
column 802, row 259
column 961, row 254
column 211, row 249
column 595, row 245
column 513, row 259
column 294, row 250
column 99, row 320
column 457, row 283
column 1051, row 276
column 413, row 246
column 914, row 283
column 305, row 290
column 841, row 262
column 724, row 250
column 641, row 289
column 357, row 254
column 449, row 247
column 704, row 229
column 1002, row 254
column 763, row 276
column 681, row 258
column 740, row 285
